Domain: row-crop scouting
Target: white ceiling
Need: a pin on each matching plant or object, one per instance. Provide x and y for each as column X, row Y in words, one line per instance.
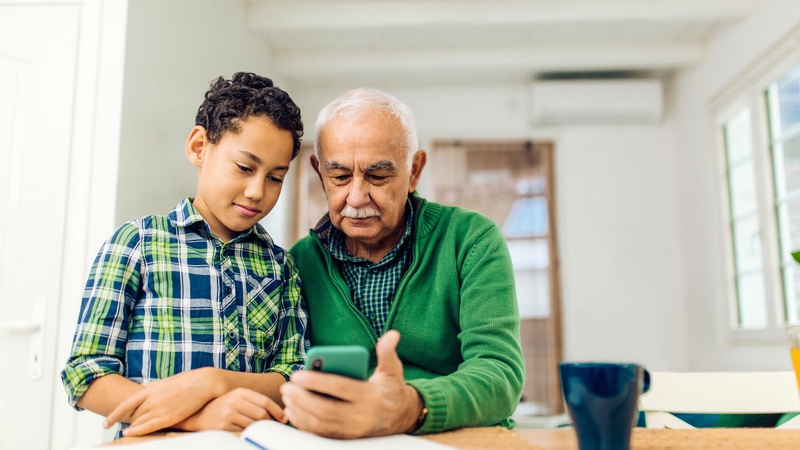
column 325, row 42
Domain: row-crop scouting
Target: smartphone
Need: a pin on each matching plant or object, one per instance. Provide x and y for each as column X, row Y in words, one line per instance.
column 347, row 360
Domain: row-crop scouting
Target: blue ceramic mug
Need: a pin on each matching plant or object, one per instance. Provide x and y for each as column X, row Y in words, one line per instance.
column 602, row 400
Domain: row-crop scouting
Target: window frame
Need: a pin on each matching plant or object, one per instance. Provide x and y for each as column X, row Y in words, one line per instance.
column 749, row 92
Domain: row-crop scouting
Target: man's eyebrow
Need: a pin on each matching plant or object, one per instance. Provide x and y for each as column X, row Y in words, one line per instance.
column 381, row 165
column 333, row 165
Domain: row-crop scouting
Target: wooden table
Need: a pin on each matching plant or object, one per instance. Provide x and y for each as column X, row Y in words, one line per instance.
column 564, row 439
column 661, row 439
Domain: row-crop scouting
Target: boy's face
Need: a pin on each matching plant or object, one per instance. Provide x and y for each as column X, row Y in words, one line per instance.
column 239, row 178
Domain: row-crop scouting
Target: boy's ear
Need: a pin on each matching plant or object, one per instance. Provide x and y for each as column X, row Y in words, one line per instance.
column 195, row 145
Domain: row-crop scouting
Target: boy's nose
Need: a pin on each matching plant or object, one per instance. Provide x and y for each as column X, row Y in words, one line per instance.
column 255, row 190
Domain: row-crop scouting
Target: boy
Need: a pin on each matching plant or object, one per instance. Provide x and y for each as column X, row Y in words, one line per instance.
column 194, row 320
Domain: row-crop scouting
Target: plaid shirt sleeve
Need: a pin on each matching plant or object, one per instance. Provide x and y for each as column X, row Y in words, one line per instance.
column 98, row 347
column 291, row 332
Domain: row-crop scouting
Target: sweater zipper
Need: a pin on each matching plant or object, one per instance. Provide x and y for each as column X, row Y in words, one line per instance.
column 339, row 282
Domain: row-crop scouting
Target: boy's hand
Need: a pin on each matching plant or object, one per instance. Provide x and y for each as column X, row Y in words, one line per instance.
column 163, row 403
column 234, row 411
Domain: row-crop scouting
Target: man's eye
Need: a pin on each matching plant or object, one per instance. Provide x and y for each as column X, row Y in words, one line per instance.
column 244, row 168
column 276, row 179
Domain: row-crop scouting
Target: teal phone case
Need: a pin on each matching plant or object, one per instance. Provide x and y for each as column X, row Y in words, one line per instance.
column 347, row 360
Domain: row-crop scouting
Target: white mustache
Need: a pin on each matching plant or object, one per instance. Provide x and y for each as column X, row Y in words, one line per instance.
column 360, row 213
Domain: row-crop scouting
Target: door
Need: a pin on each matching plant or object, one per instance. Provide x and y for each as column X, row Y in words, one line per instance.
column 38, row 51
column 512, row 183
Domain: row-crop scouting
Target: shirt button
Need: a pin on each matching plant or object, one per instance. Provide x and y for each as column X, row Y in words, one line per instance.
column 232, row 334
column 372, row 316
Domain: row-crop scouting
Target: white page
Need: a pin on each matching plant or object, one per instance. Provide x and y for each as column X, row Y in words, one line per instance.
column 268, row 434
column 200, row 440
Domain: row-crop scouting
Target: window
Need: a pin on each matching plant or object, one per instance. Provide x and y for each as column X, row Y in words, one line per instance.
column 760, row 137
column 745, row 222
column 783, row 105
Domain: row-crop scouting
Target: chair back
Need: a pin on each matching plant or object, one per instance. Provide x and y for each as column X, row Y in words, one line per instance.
column 718, row 392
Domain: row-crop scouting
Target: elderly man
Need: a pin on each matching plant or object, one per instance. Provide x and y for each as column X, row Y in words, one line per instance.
column 385, row 259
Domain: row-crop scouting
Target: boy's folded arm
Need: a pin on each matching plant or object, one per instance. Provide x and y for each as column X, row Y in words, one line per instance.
column 106, row 393
column 268, row 383
column 233, row 411
column 170, row 401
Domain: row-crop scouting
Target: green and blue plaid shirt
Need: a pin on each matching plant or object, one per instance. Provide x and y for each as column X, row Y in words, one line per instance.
column 165, row 296
column 372, row 285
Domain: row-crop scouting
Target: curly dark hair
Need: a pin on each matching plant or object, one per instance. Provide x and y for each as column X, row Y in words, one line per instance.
column 246, row 94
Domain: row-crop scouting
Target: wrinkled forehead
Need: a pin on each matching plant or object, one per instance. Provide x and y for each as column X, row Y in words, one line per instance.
column 372, row 132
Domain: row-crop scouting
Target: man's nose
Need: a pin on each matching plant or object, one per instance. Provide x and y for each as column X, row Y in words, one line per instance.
column 359, row 193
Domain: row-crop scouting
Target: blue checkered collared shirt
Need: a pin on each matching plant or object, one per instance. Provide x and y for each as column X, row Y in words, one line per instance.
column 165, row 296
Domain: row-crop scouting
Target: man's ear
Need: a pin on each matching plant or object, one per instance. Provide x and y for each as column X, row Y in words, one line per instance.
column 195, row 144
column 315, row 165
column 420, row 159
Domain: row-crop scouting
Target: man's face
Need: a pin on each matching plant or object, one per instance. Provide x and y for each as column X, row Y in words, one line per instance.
column 240, row 177
column 364, row 170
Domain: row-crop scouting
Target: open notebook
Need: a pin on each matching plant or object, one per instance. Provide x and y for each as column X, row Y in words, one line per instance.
column 271, row 435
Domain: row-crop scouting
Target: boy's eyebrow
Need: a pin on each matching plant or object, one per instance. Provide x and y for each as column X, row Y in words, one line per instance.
column 257, row 160
column 251, row 156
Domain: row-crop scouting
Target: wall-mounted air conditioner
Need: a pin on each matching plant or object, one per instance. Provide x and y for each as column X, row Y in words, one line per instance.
column 589, row 102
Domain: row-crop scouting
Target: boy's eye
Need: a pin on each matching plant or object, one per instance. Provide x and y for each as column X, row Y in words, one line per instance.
column 276, row 179
column 243, row 168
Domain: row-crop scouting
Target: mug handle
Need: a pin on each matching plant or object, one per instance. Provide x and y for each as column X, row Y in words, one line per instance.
column 646, row 380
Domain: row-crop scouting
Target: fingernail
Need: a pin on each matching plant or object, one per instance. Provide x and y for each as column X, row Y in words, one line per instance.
column 105, row 425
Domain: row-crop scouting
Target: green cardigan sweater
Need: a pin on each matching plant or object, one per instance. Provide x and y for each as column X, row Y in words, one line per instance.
column 455, row 308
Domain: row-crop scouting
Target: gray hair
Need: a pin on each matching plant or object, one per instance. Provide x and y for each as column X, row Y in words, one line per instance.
column 357, row 103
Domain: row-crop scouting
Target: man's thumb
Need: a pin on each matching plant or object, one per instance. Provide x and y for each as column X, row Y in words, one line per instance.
column 386, row 352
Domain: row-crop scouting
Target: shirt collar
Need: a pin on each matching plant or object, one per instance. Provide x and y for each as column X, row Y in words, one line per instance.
column 185, row 215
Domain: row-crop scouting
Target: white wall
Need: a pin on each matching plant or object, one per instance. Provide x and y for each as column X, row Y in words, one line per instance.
column 616, row 216
column 698, row 189
column 175, row 48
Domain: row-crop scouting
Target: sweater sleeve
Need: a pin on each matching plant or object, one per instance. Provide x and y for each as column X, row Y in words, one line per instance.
column 486, row 387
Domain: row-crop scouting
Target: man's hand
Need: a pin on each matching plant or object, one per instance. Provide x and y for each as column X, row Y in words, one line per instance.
column 234, row 411
column 164, row 403
column 380, row 406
